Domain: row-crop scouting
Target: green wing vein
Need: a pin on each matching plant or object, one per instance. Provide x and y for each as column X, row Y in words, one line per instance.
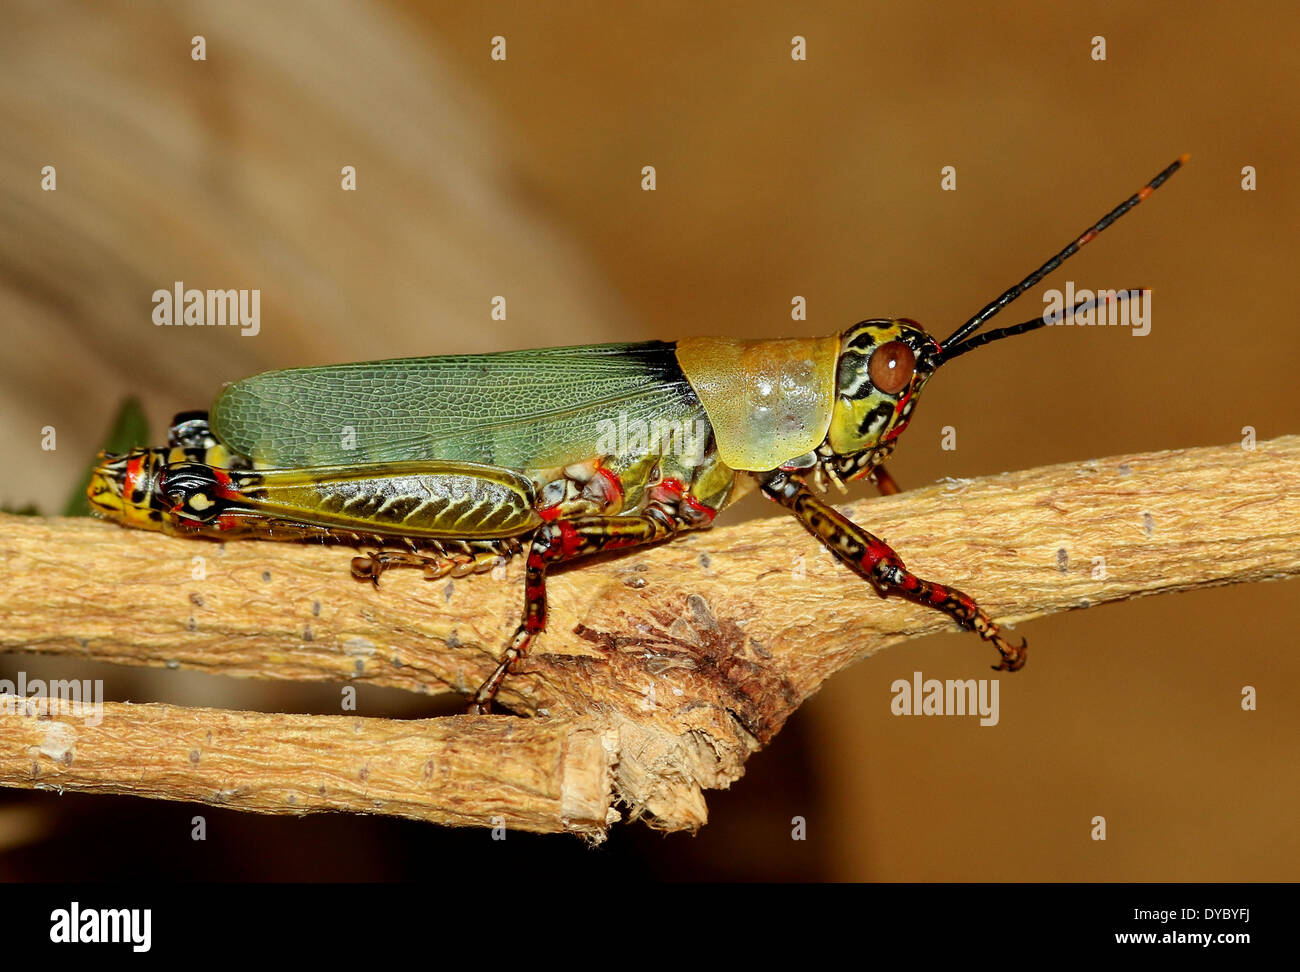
column 517, row 409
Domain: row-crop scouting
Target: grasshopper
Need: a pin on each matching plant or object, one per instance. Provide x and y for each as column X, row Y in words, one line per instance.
column 456, row 464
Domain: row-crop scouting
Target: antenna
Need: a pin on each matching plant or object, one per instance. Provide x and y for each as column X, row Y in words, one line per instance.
column 953, row 346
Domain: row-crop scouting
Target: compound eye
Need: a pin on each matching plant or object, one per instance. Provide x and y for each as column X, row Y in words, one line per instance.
column 891, row 367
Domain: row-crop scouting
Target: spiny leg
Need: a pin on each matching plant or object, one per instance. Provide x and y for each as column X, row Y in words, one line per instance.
column 559, row 541
column 375, row 562
column 540, row 554
column 873, row 559
column 435, row 565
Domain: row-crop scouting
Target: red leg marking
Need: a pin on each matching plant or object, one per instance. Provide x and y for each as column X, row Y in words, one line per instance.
column 555, row 542
column 873, row 559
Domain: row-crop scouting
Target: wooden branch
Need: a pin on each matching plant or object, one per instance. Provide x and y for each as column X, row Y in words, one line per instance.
column 661, row 673
column 484, row 771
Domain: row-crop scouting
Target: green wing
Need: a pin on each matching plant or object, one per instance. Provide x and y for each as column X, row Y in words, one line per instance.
column 518, row 409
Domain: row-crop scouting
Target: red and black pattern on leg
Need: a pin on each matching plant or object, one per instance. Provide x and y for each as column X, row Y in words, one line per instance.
column 873, row 559
column 673, row 498
column 554, row 543
column 541, row 552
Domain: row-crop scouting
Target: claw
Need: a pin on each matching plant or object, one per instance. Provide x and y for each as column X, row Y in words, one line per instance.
column 367, row 568
column 1013, row 656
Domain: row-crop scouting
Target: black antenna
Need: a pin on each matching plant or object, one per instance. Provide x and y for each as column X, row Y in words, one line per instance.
column 952, row 346
column 998, row 333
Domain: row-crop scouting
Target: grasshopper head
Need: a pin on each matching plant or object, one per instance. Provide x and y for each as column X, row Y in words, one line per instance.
column 883, row 366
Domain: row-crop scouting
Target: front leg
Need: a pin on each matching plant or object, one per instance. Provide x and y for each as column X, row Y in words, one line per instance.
column 885, row 483
column 873, row 559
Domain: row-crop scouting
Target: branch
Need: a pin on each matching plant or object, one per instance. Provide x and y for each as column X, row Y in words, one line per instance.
column 661, row 673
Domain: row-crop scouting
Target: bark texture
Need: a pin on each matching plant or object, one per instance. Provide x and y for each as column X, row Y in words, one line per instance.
column 662, row 670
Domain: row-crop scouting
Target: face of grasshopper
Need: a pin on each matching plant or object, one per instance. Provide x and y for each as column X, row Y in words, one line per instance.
column 883, row 365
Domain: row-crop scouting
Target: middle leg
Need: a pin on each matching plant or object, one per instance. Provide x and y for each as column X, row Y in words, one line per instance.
column 436, row 559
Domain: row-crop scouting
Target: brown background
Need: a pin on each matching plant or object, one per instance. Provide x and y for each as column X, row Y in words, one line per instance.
column 775, row 178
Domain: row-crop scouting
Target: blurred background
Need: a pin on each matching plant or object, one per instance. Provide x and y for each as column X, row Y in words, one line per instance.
column 775, row 177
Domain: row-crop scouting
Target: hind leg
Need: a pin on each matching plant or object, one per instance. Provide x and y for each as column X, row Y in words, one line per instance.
column 556, row 542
